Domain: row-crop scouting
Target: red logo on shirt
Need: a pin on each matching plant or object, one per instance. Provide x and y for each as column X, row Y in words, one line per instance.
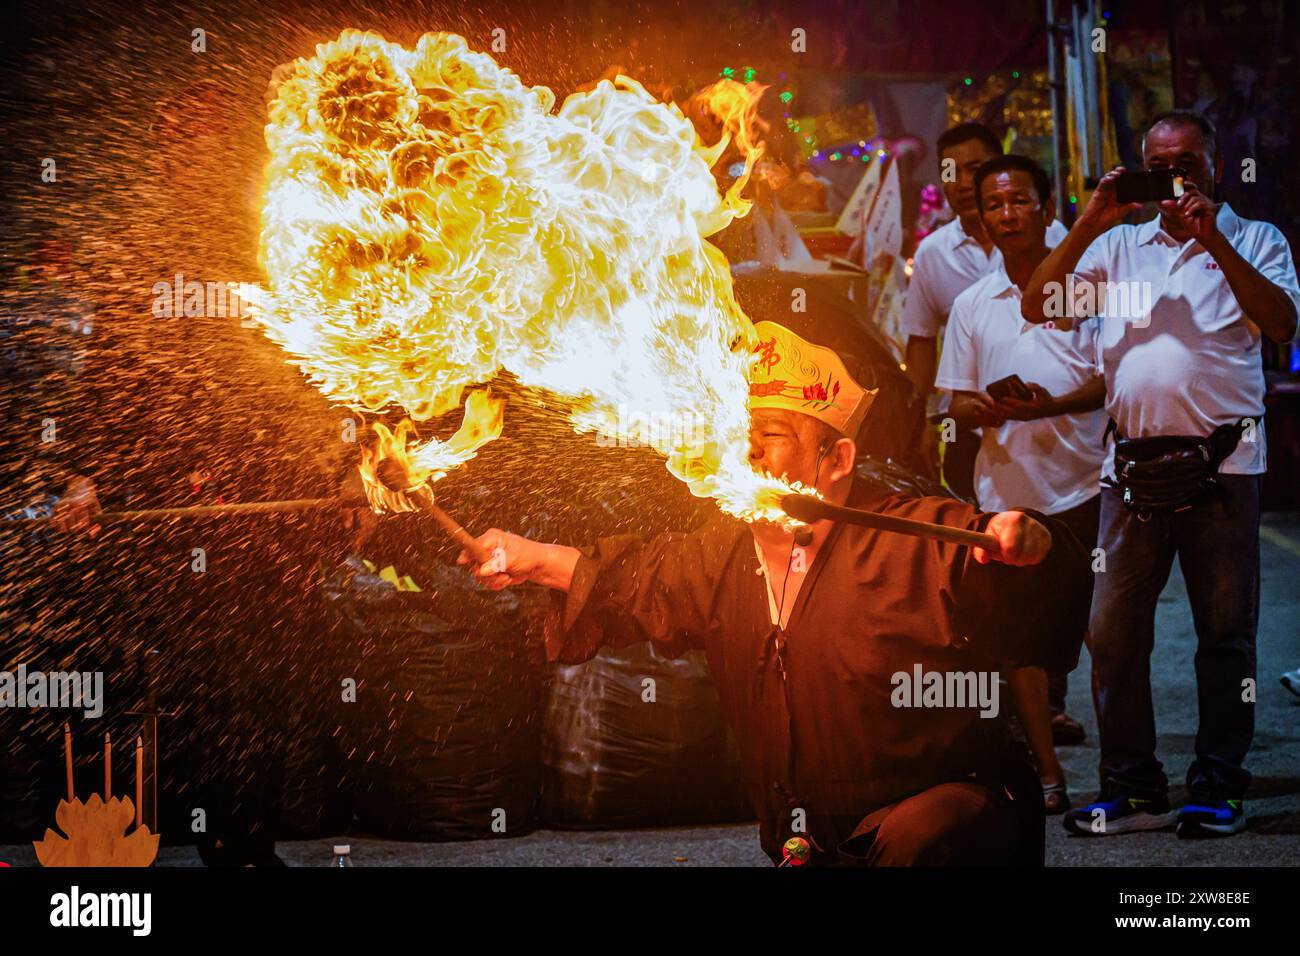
column 1212, row 265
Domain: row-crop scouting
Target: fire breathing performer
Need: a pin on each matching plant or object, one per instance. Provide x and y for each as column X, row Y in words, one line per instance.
column 846, row 658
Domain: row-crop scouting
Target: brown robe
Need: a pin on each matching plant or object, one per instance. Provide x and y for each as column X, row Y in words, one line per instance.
column 810, row 705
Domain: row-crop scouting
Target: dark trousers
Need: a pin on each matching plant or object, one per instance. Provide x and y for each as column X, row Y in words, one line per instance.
column 1083, row 520
column 994, row 817
column 975, row 822
column 1217, row 543
column 959, row 463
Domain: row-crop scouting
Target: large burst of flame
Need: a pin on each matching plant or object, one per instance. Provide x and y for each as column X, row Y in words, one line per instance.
column 429, row 221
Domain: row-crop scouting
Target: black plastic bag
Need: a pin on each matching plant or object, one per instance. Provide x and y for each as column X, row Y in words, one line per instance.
column 613, row 758
column 443, row 740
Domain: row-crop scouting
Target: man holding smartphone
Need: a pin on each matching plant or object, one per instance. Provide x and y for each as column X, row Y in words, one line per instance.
column 1185, row 388
column 1042, row 438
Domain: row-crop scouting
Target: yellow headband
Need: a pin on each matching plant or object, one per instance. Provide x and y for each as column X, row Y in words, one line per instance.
column 793, row 374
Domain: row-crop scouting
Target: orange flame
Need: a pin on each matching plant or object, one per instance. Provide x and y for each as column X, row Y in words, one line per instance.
column 429, row 221
column 734, row 107
column 484, row 415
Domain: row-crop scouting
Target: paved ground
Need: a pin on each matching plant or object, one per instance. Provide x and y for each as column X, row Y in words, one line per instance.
column 1273, row 803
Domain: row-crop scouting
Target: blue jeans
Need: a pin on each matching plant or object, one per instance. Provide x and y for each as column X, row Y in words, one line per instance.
column 1217, row 543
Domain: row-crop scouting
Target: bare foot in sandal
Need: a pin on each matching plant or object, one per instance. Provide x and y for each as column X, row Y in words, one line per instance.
column 1056, row 799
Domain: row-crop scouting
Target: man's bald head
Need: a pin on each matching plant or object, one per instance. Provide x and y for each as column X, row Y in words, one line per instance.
column 1189, row 122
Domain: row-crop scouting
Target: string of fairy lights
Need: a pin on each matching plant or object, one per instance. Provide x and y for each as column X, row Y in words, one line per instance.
column 849, row 135
column 804, row 128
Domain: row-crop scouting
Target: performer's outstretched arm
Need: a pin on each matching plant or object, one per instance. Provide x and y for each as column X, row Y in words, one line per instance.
column 516, row 560
column 663, row 587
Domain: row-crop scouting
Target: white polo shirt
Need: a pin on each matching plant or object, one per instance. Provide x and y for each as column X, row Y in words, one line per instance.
column 1190, row 364
column 1050, row 464
column 946, row 264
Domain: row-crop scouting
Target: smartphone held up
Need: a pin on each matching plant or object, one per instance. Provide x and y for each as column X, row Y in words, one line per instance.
column 1149, row 185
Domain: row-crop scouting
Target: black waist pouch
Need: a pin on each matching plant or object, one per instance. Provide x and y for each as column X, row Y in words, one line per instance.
column 1171, row 472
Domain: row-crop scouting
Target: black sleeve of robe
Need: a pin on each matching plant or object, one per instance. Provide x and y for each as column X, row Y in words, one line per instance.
column 626, row 590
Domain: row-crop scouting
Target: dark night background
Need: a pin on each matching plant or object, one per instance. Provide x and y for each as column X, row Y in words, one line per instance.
column 159, row 154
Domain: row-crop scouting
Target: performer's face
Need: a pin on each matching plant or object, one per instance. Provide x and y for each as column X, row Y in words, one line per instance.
column 787, row 444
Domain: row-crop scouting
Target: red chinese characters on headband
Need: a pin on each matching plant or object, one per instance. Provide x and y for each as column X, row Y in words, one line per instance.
column 768, row 357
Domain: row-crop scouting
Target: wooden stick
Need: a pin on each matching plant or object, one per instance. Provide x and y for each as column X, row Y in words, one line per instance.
column 67, row 758
column 423, row 498
column 139, row 781
column 425, row 502
column 462, row 537
column 202, row 511
column 809, row 509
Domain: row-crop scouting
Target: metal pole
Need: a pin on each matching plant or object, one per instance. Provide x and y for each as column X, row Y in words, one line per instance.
column 1056, row 82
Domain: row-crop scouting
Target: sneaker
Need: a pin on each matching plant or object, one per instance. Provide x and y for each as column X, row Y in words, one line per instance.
column 1291, row 681
column 1211, row 819
column 1111, row 815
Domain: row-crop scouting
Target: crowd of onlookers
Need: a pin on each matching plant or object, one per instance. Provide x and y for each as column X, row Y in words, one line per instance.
column 1138, row 421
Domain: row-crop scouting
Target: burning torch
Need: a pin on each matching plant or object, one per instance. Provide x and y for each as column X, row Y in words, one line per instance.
column 397, row 479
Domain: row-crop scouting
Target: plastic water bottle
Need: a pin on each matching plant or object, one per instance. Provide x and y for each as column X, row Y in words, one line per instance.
column 342, row 855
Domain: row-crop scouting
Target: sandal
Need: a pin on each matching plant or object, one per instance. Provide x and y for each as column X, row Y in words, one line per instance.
column 1066, row 731
column 1055, row 799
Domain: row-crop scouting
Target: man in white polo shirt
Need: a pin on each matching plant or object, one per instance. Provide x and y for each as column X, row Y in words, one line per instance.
column 1044, row 450
column 946, row 264
column 1185, row 388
